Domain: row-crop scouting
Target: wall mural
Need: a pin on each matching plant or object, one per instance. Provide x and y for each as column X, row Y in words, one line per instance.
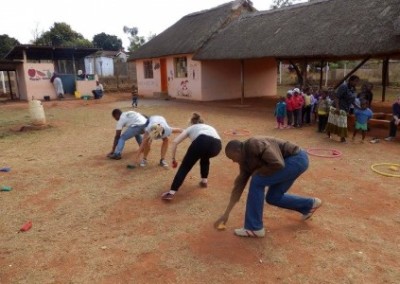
column 184, row 90
column 193, row 70
column 36, row 75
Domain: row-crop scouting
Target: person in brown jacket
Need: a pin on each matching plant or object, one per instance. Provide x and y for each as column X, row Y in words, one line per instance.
column 272, row 163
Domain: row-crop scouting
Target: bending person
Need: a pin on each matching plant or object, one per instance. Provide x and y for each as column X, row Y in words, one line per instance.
column 157, row 128
column 272, row 163
column 134, row 123
column 206, row 144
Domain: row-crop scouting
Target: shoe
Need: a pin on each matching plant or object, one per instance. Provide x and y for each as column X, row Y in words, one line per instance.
column 317, row 203
column 390, row 138
column 242, row 232
column 115, row 156
column 203, row 184
column 143, row 163
column 167, row 196
column 163, row 163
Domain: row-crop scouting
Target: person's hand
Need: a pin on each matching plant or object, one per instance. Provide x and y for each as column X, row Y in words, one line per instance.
column 174, row 163
column 337, row 111
column 220, row 223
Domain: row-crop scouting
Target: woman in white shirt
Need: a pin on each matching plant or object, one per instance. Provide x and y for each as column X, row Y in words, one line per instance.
column 206, row 143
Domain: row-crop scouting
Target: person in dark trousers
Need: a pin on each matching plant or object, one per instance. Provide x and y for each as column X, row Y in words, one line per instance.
column 268, row 162
column 206, row 144
column 394, row 123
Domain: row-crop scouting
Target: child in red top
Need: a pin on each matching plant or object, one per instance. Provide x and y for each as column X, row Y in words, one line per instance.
column 289, row 108
column 298, row 102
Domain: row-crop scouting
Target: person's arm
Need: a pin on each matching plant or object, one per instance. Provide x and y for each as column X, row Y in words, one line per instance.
column 176, row 130
column 116, row 138
column 177, row 141
column 239, row 185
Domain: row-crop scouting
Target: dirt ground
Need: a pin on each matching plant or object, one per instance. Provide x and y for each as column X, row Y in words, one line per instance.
column 95, row 221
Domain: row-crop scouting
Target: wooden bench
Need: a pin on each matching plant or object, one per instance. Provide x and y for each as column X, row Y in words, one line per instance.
column 379, row 120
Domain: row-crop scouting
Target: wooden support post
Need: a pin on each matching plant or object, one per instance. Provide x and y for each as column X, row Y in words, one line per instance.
column 385, row 74
column 321, row 74
column 242, row 81
column 352, row 71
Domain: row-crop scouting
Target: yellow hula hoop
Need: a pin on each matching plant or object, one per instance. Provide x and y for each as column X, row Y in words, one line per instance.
column 383, row 173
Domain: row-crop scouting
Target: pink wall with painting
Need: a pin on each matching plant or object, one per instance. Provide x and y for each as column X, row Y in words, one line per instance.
column 212, row 80
column 37, row 81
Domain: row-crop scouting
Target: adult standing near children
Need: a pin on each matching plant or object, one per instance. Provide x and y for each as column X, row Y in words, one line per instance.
column 394, row 123
column 134, row 123
column 269, row 162
column 298, row 102
column 156, row 128
column 345, row 97
column 58, row 85
column 206, row 144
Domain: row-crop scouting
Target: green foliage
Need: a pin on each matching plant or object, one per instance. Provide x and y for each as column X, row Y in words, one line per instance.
column 276, row 4
column 61, row 35
column 107, row 42
column 136, row 40
column 6, row 44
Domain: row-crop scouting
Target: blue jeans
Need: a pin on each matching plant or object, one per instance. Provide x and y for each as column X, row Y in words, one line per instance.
column 128, row 134
column 278, row 183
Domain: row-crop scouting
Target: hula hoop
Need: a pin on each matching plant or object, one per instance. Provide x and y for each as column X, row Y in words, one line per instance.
column 316, row 152
column 373, row 167
column 237, row 132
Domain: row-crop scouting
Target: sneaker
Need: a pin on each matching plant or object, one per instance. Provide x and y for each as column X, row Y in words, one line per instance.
column 115, row 156
column 242, row 232
column 143, row 163
column 167, row 196
column 203, row 184
column 390, row 138
column 317, row 203
column 163, row 163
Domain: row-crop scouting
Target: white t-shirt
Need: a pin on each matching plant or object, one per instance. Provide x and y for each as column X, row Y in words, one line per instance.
column 130, row 119
column 156, row 119
column 196, row 130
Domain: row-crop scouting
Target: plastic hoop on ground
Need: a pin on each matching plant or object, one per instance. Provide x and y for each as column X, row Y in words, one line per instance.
column 391, row 166
column 324, row 152
column 237, row 132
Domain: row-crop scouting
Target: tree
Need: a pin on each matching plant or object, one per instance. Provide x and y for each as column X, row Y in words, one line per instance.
column 276, row 4
column 107, row 42
column 61, row 35
column 136, row 40
column 6, row 44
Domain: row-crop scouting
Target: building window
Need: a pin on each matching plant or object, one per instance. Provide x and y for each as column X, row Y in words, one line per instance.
column 180, row 67
column 148, row 69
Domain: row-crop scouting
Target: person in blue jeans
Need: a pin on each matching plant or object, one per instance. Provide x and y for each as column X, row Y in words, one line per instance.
column 134, row 123
column 269, row 162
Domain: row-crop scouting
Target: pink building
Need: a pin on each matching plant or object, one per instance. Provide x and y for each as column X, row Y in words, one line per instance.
column 166, row 64
column 33, row 66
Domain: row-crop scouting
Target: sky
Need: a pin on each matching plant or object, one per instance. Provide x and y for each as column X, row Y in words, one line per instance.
column 22, row 19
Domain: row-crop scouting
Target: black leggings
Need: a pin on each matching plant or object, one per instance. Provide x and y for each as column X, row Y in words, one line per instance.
column 202, row 148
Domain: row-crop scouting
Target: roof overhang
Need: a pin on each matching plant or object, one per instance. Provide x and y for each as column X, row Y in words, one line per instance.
column 34, row 52
column 8, row 65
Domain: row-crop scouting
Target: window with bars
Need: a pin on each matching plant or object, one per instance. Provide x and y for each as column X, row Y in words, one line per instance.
column 180, row 67
column 148, row 69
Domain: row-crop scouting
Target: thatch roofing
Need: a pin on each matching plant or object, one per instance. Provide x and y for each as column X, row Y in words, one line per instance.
column 324, row 29
column 191, row 32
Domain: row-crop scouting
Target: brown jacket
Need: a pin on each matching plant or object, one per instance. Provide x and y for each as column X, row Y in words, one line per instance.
column 264, row 156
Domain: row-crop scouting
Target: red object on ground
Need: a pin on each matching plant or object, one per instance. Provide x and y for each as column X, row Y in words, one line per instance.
column 26, row 226
column 174, row 164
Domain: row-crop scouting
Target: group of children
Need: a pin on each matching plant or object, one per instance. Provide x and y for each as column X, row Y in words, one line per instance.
column 305, row 107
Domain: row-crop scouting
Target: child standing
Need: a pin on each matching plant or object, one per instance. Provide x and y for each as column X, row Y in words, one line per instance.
column 280, row 113
column 362, row 115
column 289, row 108
column 323, row 110
column 134, row 96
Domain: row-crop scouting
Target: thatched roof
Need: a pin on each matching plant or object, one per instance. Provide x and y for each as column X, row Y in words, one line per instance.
column 323, row 29
column 191, row 32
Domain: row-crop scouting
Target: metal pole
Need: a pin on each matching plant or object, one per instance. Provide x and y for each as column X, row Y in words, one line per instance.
column 385, row 73
column 280, row 72
column 326, row 74
column 242, row 80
